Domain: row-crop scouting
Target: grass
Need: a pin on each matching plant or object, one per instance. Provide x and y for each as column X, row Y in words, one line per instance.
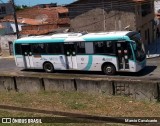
column 76, row 102
column 98, row 104
column 4, row 113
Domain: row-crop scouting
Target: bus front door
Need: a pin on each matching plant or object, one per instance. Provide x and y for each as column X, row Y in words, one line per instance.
column 27, row 56
column 122, row 54
column 71, row 59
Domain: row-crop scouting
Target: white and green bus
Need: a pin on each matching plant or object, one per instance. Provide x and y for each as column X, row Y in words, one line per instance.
column 109, row 52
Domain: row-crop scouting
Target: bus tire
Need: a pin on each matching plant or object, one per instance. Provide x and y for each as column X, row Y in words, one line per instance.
column 48, row 67
column 109, row 69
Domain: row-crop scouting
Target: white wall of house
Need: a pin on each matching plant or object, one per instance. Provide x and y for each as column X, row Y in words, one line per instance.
column 10, row 28
column 156, row 5
column 5, row 39
column 5, row 9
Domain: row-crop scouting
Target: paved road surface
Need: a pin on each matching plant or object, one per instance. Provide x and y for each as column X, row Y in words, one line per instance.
column 152, row 69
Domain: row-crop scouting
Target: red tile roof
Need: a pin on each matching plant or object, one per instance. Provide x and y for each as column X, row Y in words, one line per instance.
column 62, row 10
column 30, row 21
column 26, row 21
column 49, row 15
column 38, row 29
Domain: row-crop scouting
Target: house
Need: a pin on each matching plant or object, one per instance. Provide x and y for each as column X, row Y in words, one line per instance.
column 8, row 35
column 111, row 15
column 9, row 27
column 5, row 9
column 33, row 21
column 48, row 18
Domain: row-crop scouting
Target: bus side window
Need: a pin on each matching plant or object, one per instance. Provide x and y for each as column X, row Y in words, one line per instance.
column 109, row 47
column 39, row 49
column 54, row 48
column 105, row 47
column 98, row 47
column 18, row 50
column 80, row 47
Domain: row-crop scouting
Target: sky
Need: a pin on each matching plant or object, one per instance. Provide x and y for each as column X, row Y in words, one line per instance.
column 34, row 2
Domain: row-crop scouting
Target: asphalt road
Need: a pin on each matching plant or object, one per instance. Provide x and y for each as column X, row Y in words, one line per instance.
column 151, row 70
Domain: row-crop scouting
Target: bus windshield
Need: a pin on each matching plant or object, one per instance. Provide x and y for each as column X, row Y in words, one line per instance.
column 139, row 51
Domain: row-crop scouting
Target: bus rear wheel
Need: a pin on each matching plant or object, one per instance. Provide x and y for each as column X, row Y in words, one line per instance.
column 109, row 69
column 48, row 67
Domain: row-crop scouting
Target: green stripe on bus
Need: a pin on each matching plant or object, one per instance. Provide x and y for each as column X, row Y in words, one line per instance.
column 28, row 41
column 89, row 64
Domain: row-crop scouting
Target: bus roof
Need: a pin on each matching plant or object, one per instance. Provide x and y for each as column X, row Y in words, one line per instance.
column 71, row 37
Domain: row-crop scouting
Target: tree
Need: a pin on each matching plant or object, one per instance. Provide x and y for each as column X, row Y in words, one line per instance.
column 18, row 7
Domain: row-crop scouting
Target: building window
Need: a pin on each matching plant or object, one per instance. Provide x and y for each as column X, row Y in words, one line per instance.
column 63, row 15
column 3, row 10
column 146, row 9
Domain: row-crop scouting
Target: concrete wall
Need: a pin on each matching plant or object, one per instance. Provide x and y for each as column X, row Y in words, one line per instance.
column 136, row 89
column 24, row 84
column 93, row 21
column 59, row 84
column 94, row 86
column 109, row 15
column 102, row 15
column 7, row 84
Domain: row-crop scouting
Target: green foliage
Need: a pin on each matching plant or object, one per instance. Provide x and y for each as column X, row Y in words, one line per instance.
column 18, row 7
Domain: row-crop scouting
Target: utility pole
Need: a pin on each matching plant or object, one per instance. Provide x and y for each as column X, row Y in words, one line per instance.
column 15, row 18
column 104, row 17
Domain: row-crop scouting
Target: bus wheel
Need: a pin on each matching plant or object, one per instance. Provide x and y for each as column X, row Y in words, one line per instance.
column 109, row 69
column 48, row 67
